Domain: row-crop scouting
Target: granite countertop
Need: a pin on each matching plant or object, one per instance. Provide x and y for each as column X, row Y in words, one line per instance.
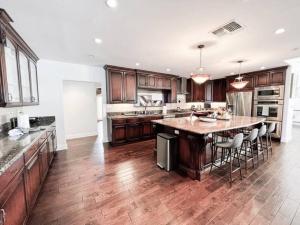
column 11, row 149
column 199, row 127
column 122, row 116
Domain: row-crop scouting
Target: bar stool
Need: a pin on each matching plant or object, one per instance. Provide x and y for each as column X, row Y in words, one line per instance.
column 269, row 132
column 259, row 143
column 231, row 149
column 247, row 149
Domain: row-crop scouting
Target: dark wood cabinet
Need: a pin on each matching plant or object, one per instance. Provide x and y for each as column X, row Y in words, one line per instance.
column 142, row 80
column 133, row 129
column 18, row 75
column 126, row 130
column 262, row 79
column 121, row 85
column 33, row 179
column 130, row 92
column 270, row 77
column 277, row 77
column 198, row 92
column 151, row 82
column 21, row 182
column 13, row 201
column 219, row 90
column 118, row 131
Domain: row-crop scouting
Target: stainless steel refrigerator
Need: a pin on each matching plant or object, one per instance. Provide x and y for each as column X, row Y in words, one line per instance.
column 240, row 103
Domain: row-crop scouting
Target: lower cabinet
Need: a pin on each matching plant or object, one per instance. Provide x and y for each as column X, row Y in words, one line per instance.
column 132, row 129
column 32, row 179
column 13, row 202
column 21, row 182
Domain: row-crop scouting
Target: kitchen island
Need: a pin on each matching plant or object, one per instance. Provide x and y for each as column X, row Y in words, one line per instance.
column 192, row 138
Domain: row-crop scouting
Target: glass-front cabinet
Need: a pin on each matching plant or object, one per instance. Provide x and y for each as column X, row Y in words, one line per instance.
column 12, row 76
column 18, row 71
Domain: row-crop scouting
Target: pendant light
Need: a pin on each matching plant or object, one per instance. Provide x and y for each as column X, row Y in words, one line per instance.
column 198, row 75
column 239, row 83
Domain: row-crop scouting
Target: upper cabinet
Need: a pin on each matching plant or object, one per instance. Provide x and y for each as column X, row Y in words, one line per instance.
column 18, row 74
column 150, row 80
column 262, row 78
column 219, row 90
column 121, row 85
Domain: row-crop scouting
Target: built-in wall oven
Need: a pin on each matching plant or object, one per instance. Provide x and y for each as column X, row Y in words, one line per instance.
column 269, row 93
column 268, row 103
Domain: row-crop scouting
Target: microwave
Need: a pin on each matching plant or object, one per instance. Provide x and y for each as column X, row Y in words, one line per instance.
column 269, row 93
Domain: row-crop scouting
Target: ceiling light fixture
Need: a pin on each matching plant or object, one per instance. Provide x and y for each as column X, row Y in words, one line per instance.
column 280, row 31
column 112, row 3
column 263, row 67
column 238, row 82
column 168, row 69
column 198, row 76
column 98, row 40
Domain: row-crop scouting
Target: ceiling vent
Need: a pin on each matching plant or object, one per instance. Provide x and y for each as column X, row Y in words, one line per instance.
column 228, row 28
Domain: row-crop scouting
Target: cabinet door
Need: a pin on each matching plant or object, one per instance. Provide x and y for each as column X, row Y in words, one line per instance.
column 115, row 86
column 13, row 202
column 167, row 83
column 118, row 134
column 151, row 81
column 34, row 83
column 130, row 89
column 12, row 77
column 262, row 79
column 25, row 78
column 33, row 180
column 159, row 82
column 219, row 90
column 43, row 160
column 142, row 80
column 133, row 131
column 198, row 92
column 146, row 129
column 276, row 78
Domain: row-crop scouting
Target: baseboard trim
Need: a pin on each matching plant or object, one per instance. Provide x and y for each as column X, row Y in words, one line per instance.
column 81, row 135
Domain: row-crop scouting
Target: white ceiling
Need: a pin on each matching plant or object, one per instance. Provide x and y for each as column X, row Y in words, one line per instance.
column 160, row 34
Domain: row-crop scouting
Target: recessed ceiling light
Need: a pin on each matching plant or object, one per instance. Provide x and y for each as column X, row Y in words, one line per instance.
column 137, row 64
column 168, row 69
column 263, row 67
column 280, row 31
column 112, row 3
column 98, row 40
column 232, row 73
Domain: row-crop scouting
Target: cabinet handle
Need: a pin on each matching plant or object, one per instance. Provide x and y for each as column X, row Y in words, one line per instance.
column 32, row 163
column 2, row 217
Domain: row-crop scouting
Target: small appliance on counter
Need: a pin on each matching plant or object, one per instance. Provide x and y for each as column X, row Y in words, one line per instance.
column 23, row 122
column 165, row 110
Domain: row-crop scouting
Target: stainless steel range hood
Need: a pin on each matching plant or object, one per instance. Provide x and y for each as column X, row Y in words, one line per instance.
column 183, row 84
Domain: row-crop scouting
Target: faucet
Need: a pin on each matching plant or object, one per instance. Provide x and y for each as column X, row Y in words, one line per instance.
column 145, row 111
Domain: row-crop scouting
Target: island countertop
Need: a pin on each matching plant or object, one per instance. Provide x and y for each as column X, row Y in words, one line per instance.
column 196, row 126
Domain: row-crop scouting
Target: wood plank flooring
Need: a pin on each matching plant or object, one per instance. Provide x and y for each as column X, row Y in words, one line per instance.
column 90, row 184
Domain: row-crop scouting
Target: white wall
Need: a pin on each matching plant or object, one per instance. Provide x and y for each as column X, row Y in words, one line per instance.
column 51, row 75
column 80, row 109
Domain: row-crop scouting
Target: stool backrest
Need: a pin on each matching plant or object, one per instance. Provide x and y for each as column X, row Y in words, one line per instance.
column 262, row 131
column 237, row 140
column 271, row 127
column 253, row 134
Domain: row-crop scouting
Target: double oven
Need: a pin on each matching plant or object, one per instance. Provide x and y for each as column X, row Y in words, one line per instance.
column 268, row 103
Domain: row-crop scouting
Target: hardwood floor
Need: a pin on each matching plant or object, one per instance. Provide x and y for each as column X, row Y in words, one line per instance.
column 90, row 184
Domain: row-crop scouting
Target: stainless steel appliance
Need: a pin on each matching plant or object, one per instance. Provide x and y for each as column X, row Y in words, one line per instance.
column 271, row 109
column 239, row 103
column 268, row 103
column 269, row 93
column 166, row 151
